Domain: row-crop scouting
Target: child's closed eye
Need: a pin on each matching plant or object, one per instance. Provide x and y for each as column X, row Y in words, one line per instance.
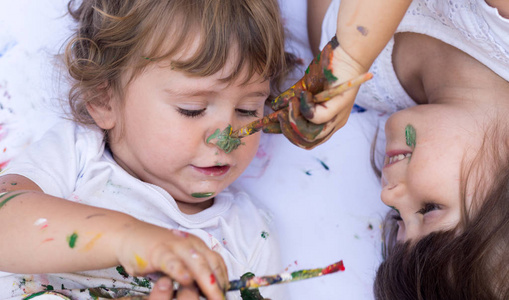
column 247, row 112
column 191, row 113
column 428, row 207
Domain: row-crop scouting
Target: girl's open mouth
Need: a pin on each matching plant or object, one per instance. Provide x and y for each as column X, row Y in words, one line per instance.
column 213, row 171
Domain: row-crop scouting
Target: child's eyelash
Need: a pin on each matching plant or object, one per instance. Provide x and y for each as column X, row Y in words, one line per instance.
column 428, row 207
column 397, row 217
column 248, row 113
column 190, row 113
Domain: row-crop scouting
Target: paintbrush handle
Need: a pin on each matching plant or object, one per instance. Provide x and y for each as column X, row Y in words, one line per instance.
column 255, row 282
column 259, row 124
column 343, row 87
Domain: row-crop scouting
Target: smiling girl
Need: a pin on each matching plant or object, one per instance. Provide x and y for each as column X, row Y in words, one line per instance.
column 443, row 78
column 132, row 187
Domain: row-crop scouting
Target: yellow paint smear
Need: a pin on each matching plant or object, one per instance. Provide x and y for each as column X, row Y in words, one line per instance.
column 90, row 244
column 140, row 262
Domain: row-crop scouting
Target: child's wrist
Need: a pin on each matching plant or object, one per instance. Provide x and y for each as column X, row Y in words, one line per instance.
column 344, row 66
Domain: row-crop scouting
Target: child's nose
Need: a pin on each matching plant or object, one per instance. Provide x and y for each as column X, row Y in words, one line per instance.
column 392, row 194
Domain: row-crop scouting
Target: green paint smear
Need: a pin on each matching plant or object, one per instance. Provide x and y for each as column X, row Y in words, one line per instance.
column 252, row 293
column 225, row 141
column 410, row 135
column 329, row 76
column 202, row 195
column 72, row 239
column 121, row 271
column 265, row 234
column 143, row 282
column 8, row 198
column 304, row 274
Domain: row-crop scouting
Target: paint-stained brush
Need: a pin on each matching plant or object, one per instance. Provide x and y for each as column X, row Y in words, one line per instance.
column 326, row 95
column 256, row 282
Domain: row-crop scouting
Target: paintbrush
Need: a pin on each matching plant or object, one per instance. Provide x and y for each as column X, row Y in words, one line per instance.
column 255, row 282
column 259, row 124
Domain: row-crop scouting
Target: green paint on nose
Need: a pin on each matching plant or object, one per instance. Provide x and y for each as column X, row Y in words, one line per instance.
column 224, row 139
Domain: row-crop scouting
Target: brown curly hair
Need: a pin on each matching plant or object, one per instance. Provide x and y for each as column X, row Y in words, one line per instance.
column 117, row 37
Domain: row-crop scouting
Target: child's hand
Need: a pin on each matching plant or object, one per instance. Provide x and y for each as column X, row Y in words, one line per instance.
column 145, row 248
column 306, row 123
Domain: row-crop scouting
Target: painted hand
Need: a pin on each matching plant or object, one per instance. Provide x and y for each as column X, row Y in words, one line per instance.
column 303, row 120
column 144, row 248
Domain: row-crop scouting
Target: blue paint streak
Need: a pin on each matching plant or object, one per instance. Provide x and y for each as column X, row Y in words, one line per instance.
column 6, row 46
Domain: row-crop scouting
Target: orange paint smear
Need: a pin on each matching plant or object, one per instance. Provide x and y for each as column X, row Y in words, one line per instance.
column 90, row 244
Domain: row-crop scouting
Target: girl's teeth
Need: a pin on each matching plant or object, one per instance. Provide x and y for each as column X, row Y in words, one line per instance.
column 399, row 157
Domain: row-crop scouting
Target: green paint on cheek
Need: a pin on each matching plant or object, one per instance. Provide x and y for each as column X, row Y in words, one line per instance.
column 410, row 135
column 72, row 239
column 202, row 195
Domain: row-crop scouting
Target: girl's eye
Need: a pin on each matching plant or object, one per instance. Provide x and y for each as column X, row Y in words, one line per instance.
column 247, row 113
column 428, row 207
column 190, row 113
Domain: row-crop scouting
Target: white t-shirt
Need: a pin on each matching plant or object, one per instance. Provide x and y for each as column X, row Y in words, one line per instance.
column 472, row 26
column 71, row 162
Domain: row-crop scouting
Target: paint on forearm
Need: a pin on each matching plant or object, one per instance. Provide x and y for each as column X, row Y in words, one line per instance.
column 91, row 243
column 8, row 198
column 71, row 240
column 363, row 30
column 41, row 223
column 202, row 195
column 410, row 135
column 224, row 139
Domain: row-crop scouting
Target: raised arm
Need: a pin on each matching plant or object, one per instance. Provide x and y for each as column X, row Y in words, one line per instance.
column 51, row 235
column 364, row 27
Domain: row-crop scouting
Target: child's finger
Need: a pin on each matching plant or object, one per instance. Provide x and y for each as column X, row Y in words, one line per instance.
column 163, row 289
column 219, row 269
column 188, row 292
column 203, row 273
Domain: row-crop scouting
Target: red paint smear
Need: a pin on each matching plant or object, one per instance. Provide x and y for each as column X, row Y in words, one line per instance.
column 3, row 164
column 334, row 268
column 212, row 279
column 44, row 226
column 48, row 240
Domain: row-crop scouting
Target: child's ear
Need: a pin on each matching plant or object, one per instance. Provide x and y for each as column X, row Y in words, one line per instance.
column 103, row 111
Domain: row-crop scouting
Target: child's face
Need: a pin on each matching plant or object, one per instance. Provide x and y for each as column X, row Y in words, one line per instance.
column 421, row 180
column 167, row 117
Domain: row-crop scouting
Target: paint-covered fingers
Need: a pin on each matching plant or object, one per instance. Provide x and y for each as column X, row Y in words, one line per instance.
column 318, row 77
column 209, row 271
column 190, row 262
column 163, row 289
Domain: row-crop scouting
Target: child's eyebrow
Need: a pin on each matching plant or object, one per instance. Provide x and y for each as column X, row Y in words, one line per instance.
column 196, row 93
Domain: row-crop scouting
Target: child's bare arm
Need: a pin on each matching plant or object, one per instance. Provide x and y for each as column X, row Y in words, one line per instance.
column 48, row 234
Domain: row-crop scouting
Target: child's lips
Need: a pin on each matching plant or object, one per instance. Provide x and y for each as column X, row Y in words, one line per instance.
column 214, row 170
